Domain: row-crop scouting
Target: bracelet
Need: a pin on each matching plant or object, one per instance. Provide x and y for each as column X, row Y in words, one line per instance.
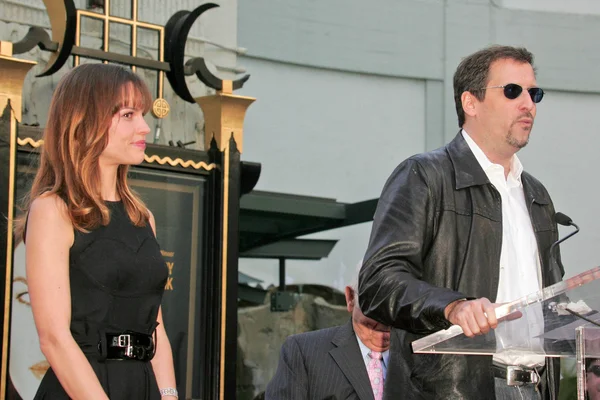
column 169, row 392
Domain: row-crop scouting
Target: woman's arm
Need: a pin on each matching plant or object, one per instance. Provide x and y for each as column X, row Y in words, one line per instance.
column 49, row 238
column 162, row 363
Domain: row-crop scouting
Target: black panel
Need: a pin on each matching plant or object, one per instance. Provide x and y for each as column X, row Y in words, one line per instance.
column 177, row 203
column 230, row 355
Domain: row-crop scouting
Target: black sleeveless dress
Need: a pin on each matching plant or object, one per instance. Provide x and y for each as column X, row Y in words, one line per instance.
column 117, row 279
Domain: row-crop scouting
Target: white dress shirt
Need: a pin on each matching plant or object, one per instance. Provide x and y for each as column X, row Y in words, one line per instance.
column 520, row 268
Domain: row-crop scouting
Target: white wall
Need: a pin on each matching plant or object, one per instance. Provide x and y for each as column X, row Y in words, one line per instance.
column 406, row 41
column 563, row 154
column 330, row 134
column 558, row 6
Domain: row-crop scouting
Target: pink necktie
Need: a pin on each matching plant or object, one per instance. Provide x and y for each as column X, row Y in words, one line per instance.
column 375, row 372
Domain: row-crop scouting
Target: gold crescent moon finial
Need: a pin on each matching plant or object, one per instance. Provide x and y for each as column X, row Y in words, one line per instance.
column 63, row 21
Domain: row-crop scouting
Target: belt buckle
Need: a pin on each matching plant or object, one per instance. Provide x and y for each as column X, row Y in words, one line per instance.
column 125, row 342
column 518, row 376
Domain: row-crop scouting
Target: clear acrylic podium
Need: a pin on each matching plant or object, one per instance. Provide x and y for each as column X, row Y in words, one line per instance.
column 558, row 321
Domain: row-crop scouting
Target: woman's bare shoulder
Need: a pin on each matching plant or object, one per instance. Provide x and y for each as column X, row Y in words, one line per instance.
column 49, row 215
column 50, row 205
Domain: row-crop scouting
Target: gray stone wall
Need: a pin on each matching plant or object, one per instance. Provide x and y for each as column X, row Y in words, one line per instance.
column 261, row 333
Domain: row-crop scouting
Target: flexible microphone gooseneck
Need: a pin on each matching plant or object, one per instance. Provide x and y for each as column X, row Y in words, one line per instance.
column 563, row 220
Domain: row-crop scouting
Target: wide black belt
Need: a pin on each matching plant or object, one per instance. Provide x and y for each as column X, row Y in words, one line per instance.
column 128, row 346
column 518, row 375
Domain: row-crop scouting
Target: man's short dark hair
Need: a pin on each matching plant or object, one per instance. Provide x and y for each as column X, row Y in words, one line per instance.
column 473, row 71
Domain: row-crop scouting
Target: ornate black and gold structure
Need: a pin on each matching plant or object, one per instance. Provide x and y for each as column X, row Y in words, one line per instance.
column 66, row 22
column 12, row 77
column 195, row 195
column 202, row 224
column 224, row 115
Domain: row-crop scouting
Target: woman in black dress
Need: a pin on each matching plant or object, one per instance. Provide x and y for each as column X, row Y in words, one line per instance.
column 94, row 269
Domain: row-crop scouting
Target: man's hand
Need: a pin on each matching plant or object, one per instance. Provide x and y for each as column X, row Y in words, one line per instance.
column 475, row 317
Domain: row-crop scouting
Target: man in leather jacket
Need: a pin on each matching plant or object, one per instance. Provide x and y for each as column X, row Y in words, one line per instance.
column 461, row 228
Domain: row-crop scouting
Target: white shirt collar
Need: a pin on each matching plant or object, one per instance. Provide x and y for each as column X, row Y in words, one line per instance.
column 365, row 352
column 516, row 168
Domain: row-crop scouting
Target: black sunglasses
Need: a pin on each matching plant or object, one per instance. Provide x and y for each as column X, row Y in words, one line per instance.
column 512, row 91
column 594, row 369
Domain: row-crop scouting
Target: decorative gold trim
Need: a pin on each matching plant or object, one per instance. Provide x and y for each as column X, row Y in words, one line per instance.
column 29, row 142
column 225, row 241
column 161, row 57
column 223, row 117
column 160, row 108
column 78, row 35
column 134, row 17
column 134, row 24
column 12, row 75
column 119, row 20
column 179, row 161
column 9, row 250
column 149, row 159
column 6, row 48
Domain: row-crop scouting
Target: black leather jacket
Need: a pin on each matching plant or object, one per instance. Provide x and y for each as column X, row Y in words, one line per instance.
column 436, row 238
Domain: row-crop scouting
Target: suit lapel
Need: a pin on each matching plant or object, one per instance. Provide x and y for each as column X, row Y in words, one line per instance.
column 348, row 357
column 397, row 365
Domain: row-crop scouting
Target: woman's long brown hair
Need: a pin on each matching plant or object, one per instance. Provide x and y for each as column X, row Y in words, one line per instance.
column 80, row 116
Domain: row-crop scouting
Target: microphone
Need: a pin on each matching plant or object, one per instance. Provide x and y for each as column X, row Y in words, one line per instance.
column 563, row 220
